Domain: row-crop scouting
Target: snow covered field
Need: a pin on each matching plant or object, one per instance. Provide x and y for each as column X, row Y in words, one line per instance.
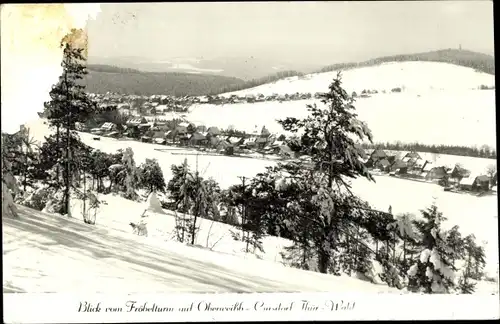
column 439, row 103
column 451, row 118
column 49, row 253
column 413, row 76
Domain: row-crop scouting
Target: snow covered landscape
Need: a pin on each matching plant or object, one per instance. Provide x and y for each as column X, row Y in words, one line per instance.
column 432, row 95
column 284, row 185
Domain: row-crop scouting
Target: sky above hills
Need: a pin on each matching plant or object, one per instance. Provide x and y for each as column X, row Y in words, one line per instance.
column 323, row 32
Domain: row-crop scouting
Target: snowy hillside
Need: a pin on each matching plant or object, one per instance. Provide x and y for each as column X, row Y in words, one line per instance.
column 412, row 76
column 49, row 253
column 439, row 103
column 450, row 118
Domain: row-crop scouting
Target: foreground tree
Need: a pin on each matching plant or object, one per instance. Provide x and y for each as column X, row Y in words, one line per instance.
column 330, row 137
column 151, row 176
column 69, row 104
column 9, row 185
column 433, row 271
column 131, row 175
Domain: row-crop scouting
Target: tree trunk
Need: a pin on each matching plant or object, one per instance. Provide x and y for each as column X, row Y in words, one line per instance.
column 323, row 260
column 57, row 153
column 304, row 251
column 25, row 169
column 68, row 174
column 84, row 195
column 404, row 250
column 193, row 230
column 394, row 249
column 387, row 248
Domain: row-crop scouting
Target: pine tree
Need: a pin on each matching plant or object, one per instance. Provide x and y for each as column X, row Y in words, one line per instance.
column 9, row 185
column 404, row 229
column 433, row 271
column 151, row 176
column 456, row 243
column 181, row 188
column 69, row 104
column 200, row 203
column 131, row 175
column 327, row 136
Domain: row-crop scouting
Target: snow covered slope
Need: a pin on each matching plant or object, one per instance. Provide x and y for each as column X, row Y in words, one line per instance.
column 49, row 253
column 412, row 76
column 439, row 103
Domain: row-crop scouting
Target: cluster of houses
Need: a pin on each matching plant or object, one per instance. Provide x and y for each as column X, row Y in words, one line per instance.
column 412, row 165
column 251, row 98
column 196, row 135
column 135, row 105
column 156, row 105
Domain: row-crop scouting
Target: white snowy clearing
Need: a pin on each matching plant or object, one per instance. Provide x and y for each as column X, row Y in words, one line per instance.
column 412, row 76
column 439, row 103
column 51, row 253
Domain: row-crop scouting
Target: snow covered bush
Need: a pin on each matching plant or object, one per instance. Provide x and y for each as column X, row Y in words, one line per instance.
column 132, row 179
column 9, row 185
column 55, row 202
column 474, row 262
column 37, row 199
column 432, row 270
column 151, row 176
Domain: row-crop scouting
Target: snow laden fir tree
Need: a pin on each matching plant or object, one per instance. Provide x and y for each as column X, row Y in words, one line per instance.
column 9, row 184
column 433, row 271
column 330, row 212
column 69, row 104
column 131, row 180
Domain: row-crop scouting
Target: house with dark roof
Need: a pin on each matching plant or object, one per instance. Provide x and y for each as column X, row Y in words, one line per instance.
column 481, row 183
column 437, row 173
column 412, row 155
column 399, row 166
column 383, row 165
column 213, row 131
column 249, row 142
column 197, row 138
column 264, row 132
column 376, row 156
column 108, row 127
column 182, row 128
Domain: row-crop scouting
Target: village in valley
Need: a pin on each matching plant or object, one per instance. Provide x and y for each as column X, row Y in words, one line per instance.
column 162, row 120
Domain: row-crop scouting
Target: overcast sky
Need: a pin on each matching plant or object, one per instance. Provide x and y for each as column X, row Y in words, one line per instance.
column 326, row 32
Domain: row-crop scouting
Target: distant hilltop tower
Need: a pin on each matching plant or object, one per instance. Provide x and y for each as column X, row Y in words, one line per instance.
column 459, row 47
